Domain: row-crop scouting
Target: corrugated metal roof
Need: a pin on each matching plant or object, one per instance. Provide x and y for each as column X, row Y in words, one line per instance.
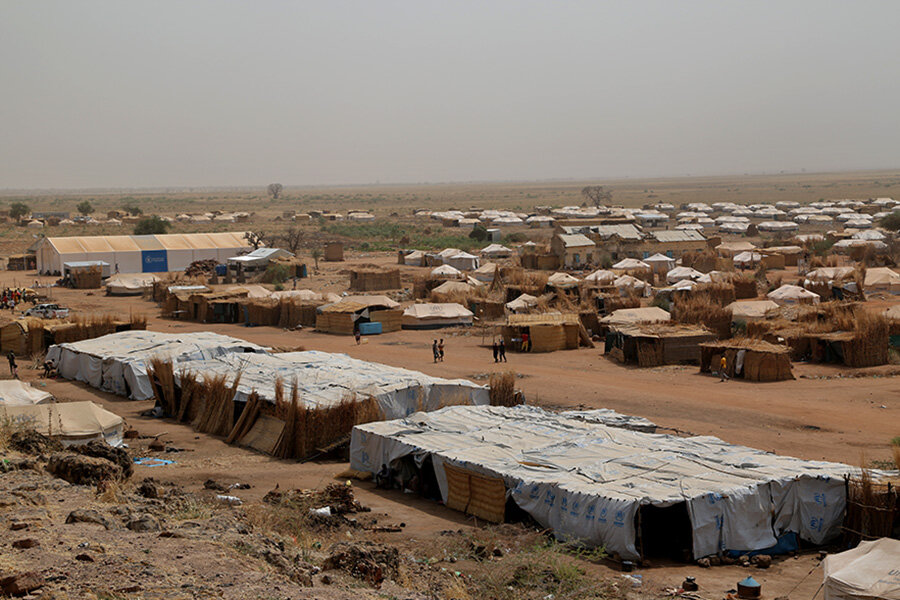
column 678, row 235
column 576, row 240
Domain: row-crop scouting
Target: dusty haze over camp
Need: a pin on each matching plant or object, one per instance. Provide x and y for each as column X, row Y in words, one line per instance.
column 141, row 94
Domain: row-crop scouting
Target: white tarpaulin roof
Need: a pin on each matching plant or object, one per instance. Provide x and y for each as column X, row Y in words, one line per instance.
column 70, row 422
column 18, row 393
column 882, row 278
column 130, row 283
column 680, row 273
column 744, row 310
column 562, row 280
column 626, row 316
column 523, row 302
column 871, row 570
column 326, row 379
column 601, row 276
column 630, row 263
column 792, row 294
column 117, row 362
column 430, row 316
column 587, row 481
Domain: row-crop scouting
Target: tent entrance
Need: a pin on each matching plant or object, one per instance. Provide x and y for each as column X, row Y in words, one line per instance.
column 665, row 532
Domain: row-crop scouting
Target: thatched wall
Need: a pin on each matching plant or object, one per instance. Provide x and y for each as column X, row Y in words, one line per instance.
column 368, row 280
column 391, row 320
column 88, row 278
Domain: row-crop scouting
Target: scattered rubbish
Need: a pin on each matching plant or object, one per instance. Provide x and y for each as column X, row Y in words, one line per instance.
column 229, row 500
column 149, row 461
column 325, row 511
column 636, row 581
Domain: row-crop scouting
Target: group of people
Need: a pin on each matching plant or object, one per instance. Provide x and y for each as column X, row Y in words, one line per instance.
column 437, row 349
column 11, row 297
column 499, row 349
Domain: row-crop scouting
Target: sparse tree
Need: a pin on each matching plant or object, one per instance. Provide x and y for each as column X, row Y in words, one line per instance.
column 151, row 226
column 292, row 239
column 259, row 239
column 17, row 210
column 596, row 195
column 891, row 222
column 133, row 209
column 274, row 190
column 85, row 207
column 316, row 255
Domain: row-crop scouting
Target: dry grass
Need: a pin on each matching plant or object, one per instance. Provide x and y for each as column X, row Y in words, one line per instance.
column 503, row 389
column 700, row 308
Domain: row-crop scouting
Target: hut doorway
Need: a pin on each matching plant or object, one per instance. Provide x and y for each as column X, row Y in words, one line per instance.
column 665, row 532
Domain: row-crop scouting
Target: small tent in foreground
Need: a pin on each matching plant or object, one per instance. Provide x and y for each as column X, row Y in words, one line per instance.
column 871, row 570
column 18, row 393
column 72, row 423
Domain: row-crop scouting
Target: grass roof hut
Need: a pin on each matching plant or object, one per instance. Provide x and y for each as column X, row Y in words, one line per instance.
column 747, row 358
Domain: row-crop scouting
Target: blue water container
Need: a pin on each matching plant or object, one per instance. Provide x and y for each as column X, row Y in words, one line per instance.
column 370, row 328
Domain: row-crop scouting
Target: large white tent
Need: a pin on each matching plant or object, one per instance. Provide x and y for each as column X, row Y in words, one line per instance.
column 590, row 483
column 140, row 253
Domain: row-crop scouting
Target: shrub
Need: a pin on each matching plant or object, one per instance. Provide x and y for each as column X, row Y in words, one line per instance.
column 479, row 232
column 891, row 222
column 151, row 226
column 277, row 274
column 18, row 210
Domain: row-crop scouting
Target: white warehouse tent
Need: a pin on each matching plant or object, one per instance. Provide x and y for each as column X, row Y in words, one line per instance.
column 605, row 486
column 72, row 423
column 139, row 253
column 117, row 362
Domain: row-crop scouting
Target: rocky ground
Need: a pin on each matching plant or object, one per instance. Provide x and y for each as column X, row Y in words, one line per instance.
column 77, row 525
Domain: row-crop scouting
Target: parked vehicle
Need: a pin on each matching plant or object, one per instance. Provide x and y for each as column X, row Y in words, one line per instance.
column 48, row 311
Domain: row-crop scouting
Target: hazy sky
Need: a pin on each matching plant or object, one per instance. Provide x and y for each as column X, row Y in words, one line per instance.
column 191, row 93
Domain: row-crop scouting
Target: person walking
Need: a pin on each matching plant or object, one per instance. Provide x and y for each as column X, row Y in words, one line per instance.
column 525, row 340
column 501, row 348
column 441, row 349
column 723, row 364
column 13, row 367
column 357, row 335
column 496, row 350
column 434, row 350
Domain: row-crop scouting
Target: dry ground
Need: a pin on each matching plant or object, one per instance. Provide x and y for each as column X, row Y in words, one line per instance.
column 827, row 413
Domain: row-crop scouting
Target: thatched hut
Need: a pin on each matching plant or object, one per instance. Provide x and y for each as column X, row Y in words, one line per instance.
column 369, row 314
column 547, row 332
column 22, row 337
column 654, row 344
column 372, row 279
column 747, row 358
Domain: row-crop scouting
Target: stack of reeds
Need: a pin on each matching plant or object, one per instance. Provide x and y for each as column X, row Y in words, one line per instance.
column 870, row 343
column 503, row 390
column 722, row 294
column 700, row 309
column 704, row 261
column 88, row 278
column 311, row 430
column 744, row 286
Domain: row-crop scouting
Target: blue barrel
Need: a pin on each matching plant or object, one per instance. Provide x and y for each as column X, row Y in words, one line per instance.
column 221, row 270
column 370, row 328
